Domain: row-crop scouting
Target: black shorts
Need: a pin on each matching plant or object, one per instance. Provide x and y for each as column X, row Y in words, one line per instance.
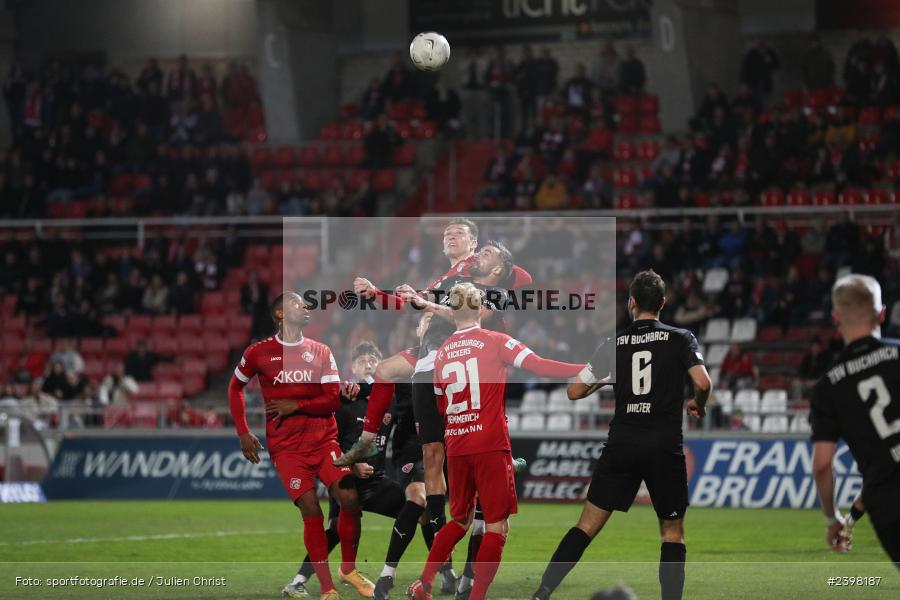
column 620, row 470
column 409, row 465
column 429, row 422
column 382, row 496
column 889, row 536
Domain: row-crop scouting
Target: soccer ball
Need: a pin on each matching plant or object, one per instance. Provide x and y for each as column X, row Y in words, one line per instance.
column 429, row 51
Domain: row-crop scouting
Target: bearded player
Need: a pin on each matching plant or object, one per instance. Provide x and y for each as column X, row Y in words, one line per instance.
column 301, row 390
column 469, row 379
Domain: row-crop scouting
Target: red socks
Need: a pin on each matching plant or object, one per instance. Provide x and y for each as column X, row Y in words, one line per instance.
column 486, row 564
column 316, row 543
column 441, row 548
column 348, row 527
column 379, row 401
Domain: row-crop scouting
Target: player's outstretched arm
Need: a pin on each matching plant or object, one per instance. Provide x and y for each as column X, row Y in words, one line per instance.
column 250, row 444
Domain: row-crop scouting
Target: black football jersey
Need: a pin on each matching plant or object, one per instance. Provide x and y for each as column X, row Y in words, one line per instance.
column 350, row 418
column 439, row 329
column 858, row 400
column 651, row 366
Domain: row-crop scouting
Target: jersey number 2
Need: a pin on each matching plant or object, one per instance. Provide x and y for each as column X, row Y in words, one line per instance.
column 882, row 400
column 640, row 372
column 465, row 375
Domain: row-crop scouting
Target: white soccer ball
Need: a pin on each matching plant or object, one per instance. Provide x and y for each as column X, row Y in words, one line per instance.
column 429, row 51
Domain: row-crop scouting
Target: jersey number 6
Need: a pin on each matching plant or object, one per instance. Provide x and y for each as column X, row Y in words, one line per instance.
column 640, row 372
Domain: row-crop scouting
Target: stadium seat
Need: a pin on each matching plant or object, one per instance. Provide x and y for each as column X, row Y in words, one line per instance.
column 725, row 399
column 213, row 302
column 95, row 369
column 91, row 346
column 771, row 197
column 775, row 424
column 753, row 423
column 169, row 390
column 850, row 197
column 532, row 422
column 599, row 139
column 715, row 280
column 625, row 177
column 559, row 422
column 649, row 124
column 192, row 323
column 355, row 155
column 558, row 400
column 332, row 156
column 649, row 104
column 144, row 414
column 624, row 151
column 217, row 323
column 717, row 330
column 714, row 376
column 194, row 366
column 747, row 401
column 191, row 344
column 716, row 354
column 648, row 150
column 384, row 180
column 876, row 196
column 513, row 421
column 869, row 115
column 139, row 323
column 308, row 156
column 147, row 391
column 743, row 330
column 193, row 385
column 797, row 198
column 774, row 401
column 329, row 132
column 116, row 347
column 586, row 405
column 534, row 400
column 284, row 157
column 800, row 424
column 823, row 197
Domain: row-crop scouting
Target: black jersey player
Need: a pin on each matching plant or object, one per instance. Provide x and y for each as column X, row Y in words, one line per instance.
column 647, row 363
column 857, row 401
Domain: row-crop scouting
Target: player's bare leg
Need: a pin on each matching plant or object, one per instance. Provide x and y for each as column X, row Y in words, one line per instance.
column 389, row 370
column 348, row 526
column 316, row 541
column 441, row 549
column 433, row 456
column 672, row 554
column 570, row 549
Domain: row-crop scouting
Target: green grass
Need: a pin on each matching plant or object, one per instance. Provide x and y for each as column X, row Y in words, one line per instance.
column 256, row 546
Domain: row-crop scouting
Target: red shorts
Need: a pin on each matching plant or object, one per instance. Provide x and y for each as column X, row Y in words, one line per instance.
column 298, row 470
column 488, row 475
column 411, row 355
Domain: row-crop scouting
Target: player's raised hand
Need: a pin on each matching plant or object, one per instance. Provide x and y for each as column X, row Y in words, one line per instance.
column 349, row 390
column 695, row 410
column 363, row 470
column 411, row 296
column 284, row 407
column 364, row 287
column 405, row 289
column 250, row 446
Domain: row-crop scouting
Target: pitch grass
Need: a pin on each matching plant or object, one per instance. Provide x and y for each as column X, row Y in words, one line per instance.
column 256, row 546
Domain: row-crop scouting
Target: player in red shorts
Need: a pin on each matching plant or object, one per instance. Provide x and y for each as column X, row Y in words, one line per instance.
column 479, row 460
column 301, row 390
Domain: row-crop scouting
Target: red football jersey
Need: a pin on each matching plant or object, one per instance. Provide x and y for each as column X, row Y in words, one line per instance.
column 470, row 385
column 297, row 371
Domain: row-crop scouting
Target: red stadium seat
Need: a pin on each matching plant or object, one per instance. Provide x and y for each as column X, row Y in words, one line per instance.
column 356, row 179
column 333, row 156
column 284, row 157
column 308, row 156
column 191, row 344
column 349, row 110
column 648, row 150
column 426, row 130
column 232, row 300
column 624, row 177
column 793, row 98
column 405, row 155
column 398, row 111
column 850, row 196
column 599, row 139
column 628, row 125
column 193, row 385
column 869, row 115
column 116, row 347
column 823, row 197
column 312, row 180
column 240, row 323
column 144, row 414
column 96, row 369
column 329, row 132
column 626, row 201
column 169, row 390
column 139, row 323
column 194, row 366
column 190, row 323
column 165, row 344
column 261, row 157
column 164, row 323
column 384, row 180
column 237, row 339
column 797, row 198
column 15, row 324
column 626, row 105
column 355, row 155
column 876, row 196
column 649, row 104
column 353, row 131
column 418, row 111
column 215, row 322
column 649, row 124
column 257, row 254
column 91, row 346
column 213, row 302
column 771, row 197
column 624, row 151
column 167, row 371
column 403, row 130
column 147, row 391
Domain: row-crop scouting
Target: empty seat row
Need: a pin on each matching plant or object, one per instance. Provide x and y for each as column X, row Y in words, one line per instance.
column 750, row 401
column 723, row 330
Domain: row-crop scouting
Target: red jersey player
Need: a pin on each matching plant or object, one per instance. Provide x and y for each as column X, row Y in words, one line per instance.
column 470, row 383
column 301, row 390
